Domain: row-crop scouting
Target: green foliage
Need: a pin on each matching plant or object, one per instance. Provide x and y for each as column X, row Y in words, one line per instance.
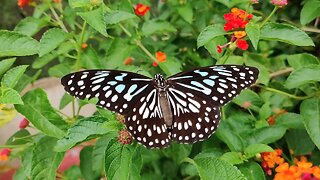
column 281, row 111
column 16, row 44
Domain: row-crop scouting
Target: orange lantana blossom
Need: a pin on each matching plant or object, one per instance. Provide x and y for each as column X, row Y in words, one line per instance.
column 161, row 56
column 236, row 21
column 300, row 170
column 23, row 3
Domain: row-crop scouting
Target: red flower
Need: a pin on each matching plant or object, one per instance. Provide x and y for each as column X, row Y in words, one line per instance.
column 154, row 64
column 242, row 44
column 124, row 137
column 84, row 45
column 238, row 18
column 24, row 123
column 141, row 9
column 161, row 57
column 128, row 61
column 219, row 49
column 4, row 154
column 23, row 3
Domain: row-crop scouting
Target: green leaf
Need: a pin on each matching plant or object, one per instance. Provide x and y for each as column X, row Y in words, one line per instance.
column 98, row 153
column 227, row 135
column 83, row 130
column 44, row 60
column 90, row 59
column 265, row 111
column 38, row 110
column 26, row 161
column 59, row 70
column 95, row 19
column 309, row 11
column 186, row 12
column 79, row 3
column 73, row 173
column 51, row 39
column 11, row 78
column 154, row 27
column 20, row 137
column 253, row 32
column 267, row 135
column 122, row 161
column 299, row 142
column 254, row 149
column 310, row 111
column 178, row 152
column 171, row 66
column 65, row 100
column 303, row 76
column 285, row 33
column 232, row 158
column 252, row 171
column 30, row 25
column 290, row 120
column 114, row 17
column 86, row 163
column 9, row 96
column 16, row 44
column 117, row 53
column 251, row 97
column 302, row 60
column 5, row 65
column 208, row 33
column 214, row 168
column 19, row 175
column 45, row 161
column 211, row 46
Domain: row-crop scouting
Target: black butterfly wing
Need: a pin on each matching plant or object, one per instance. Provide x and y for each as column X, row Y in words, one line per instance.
column 127, row 93
column 219, row 83
column 115, row 90
column 194, row 119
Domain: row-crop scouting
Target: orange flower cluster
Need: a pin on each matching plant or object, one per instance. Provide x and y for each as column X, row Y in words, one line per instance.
column 236, row 21
column 271, row 159
column 4, row 154
column 23, row 3
column 141, row 9
column 161, row 57
column 301, row 170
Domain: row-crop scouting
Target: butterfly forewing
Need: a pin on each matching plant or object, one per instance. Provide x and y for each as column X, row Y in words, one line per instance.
column 219, row 83
column 115, row 90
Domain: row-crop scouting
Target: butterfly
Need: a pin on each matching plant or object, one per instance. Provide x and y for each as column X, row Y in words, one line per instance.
column 184, row 107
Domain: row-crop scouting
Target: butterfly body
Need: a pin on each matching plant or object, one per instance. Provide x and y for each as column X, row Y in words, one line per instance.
column 184, row 107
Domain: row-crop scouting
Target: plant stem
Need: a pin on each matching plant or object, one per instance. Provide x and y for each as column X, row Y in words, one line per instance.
column 125, row 30
column 80, row 42
column 145, row 50
column 55, row 15
column 287, row 94
column 139, row 44
column 270, row 15
column 226, row 56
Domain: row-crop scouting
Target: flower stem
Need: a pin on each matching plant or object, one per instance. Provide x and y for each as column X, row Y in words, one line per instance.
column 226, row 56
column 79, row 49
column 270, row 15
column 287, row 94
column 59, row 21
column 139, row 44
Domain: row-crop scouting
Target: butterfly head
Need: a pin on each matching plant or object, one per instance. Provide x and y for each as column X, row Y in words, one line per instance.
column 160, row 81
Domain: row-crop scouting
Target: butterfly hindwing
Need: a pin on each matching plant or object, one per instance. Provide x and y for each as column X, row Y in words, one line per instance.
column 220, row 83
column 115, row 90
column 145, row 122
